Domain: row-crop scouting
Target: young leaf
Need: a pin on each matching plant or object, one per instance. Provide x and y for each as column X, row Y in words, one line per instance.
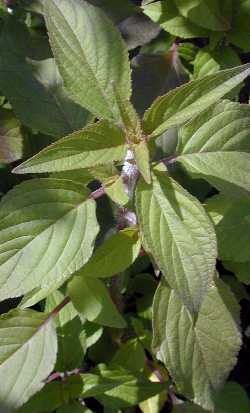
column 231, row 218
column 177, row 232
column 142, row 159
column 91, row 299
column 97, row 144
column 198, row 356
column 114, row 256
column 27, row 356
column 116, row 190
column 11, row 139
column 47, row 399
column 47, row 232
column 180, row 105
column 90, row 55
column 229, row 172
column 223, row 127
column 119, row 388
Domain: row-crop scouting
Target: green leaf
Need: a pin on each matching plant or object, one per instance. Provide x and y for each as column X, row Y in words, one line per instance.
column 130, row 356
column 53, row 395
column 35, row 88
column 97, row 144
column 40, row 241
column 209, row 61
column 232, row 398
column 188, row 408
column 74, row 408
column 229, row 172
column 204, row 13
column 223, row 127
column 48, row 399
column 116, row 190
column 181, row 104
column 115, row 255
column 81, row 37
column 11, row 139
column 27, row 356
column 117, row 10
column 118, row 388
column 231, row 218
column 91, row 299
column 142, row 159
column 198, row 356
column 167, row 15
column 240, row 269
column 240, row 31
column 177, row 232
column 69, row 327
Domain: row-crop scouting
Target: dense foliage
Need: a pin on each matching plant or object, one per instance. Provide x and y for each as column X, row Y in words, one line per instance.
column 124, row 213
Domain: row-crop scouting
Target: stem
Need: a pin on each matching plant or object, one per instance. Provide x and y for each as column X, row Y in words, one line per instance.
column 98, row 193
column 169, row 160
column 55, row 312
column 155, row 371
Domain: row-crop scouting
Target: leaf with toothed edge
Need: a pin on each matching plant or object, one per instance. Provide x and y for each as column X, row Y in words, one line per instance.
column 47, row 232
column 28, row 347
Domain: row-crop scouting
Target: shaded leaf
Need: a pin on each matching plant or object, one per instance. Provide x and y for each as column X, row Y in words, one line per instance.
column 91, row 299
column 118, row 388
column 81, row 37
column 11, row 139
column 231, row 218
column 35, row 88
column 113, row 256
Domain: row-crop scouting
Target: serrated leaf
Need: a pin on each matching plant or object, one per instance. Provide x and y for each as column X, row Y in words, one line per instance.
column 47, row 232
column 181, row 104
column 167, row 15
column 81, row 37
column 35, row 88
column 223, row 127
column 27, row 356
column 69, row 327
column 142, row 159
column 198, row 356
column 11, row 139
column 176, row 231
column 91, row 299
column 115, row 255
column 97, row 144
column 118, row 388
column 231, row 217
column 229, row 172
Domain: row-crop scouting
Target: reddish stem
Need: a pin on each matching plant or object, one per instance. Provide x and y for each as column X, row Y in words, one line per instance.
column 98, row 193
